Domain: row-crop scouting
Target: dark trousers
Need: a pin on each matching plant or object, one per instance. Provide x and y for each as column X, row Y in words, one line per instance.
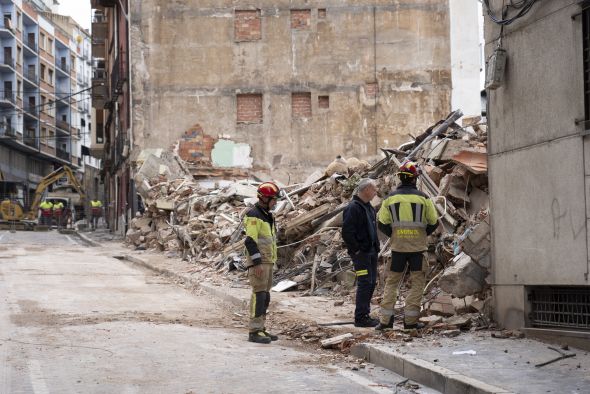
column 365, row 266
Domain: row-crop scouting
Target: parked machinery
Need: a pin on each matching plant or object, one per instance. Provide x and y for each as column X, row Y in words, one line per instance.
column 13, row 201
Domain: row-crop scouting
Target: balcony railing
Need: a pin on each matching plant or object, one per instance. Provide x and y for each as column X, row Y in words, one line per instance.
column 8, row 61
column 32, row 76
column 118, row 76
column 7, row 24
column 31, row 139
column 62, row 154
column 64, row 67
column 65, row 126
column 8, row 131
column 32, row 45
column 9, row 96
column 32, row 109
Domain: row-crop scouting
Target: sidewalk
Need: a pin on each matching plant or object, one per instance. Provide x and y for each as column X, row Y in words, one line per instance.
column 497, row 365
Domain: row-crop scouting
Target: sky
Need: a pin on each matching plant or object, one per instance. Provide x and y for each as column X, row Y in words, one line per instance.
column 77, row 9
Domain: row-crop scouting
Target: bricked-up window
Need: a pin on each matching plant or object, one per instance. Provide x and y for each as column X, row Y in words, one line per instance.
column 301, row 105
column 586, row 58
column 371, row 89
column 247, row 25
column 249, row 108
column 301, row 19
column 322, row 13
column 323, row 102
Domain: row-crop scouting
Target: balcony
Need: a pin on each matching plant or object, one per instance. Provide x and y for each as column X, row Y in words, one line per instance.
column 8, row 97
column 118, row 76
column 30, row 139
column 31, row 76
column 62, row 154
column 98, row 47
column 103, row 3
column 32, row 110
column 6, row 28
column 7, row 62
column 8, row 131
column 31, row 45
column 63, row 67
column 62, row 124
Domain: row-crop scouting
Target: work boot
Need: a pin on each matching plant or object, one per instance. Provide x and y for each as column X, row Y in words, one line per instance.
column 416, row 326
column 382, row 326
column 366, row 321
column 258, row 337
column 271, row 336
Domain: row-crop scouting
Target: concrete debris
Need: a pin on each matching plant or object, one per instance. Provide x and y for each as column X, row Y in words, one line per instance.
column 464, row 278
column 330, row 342
column 201, row 219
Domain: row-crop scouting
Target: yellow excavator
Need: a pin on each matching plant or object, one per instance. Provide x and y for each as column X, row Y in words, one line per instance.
column 13, row 210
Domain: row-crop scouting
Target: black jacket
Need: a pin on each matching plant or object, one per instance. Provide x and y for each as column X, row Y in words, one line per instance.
column 359, row 228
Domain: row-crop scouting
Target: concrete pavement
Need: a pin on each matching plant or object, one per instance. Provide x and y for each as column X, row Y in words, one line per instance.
column 75, row 320
column 498, row 365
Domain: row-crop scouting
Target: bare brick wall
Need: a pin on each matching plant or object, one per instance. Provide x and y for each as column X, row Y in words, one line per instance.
column 249, row 108
column 195, row 146
column 301, row 105
column 371, row 89
column 247, row 25
column 323, row 102
column 301, row 19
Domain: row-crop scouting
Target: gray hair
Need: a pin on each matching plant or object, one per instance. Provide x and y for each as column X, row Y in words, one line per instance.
column 363, row 184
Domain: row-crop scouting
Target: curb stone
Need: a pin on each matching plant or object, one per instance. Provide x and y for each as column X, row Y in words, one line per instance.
column 87, row 239
column 424, row 372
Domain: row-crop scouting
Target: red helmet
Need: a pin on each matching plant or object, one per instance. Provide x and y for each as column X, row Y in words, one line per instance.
column 269, row 190
column 409, row 169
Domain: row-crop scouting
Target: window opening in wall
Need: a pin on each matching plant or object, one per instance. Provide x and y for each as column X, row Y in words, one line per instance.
column 301, row 19
column 301, row 105
column 322, row 13
column 43, row 72
column 249, row 108
column 31, row 40
column 323, row 102
column 371, row 90
column 247, row 25
column 586, row 59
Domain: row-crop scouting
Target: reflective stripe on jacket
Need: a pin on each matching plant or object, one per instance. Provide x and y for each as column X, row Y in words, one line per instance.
column 409, row 212
column 261, row 239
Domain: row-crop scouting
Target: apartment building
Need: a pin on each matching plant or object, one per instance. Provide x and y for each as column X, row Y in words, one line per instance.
column 111, row 137
column 80, row 65
column 32, row 141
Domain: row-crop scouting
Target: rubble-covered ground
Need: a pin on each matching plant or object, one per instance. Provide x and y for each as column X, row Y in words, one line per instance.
column 201, row 221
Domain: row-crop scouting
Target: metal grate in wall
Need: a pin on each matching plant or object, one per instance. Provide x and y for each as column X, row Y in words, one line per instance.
column 563, row 307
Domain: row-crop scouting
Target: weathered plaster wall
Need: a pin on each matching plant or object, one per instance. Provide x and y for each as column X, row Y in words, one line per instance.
column 188, row 69
column 538, row 158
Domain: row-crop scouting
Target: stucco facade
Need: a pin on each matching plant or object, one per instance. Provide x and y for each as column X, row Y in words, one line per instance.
column 539, row 163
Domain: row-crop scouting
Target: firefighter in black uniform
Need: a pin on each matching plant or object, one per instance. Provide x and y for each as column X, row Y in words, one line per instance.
column 359, row 231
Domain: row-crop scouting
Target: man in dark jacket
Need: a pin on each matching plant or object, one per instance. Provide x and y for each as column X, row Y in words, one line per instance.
column 359, row 231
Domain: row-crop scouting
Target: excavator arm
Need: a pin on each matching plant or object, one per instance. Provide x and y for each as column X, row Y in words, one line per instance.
column 49, row 180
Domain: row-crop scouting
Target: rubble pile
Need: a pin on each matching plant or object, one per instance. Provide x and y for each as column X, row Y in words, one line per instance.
column 204, row 224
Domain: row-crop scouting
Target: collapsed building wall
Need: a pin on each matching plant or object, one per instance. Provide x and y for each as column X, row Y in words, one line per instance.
column 299, row 83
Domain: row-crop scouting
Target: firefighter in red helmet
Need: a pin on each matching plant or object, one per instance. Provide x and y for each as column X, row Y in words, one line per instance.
column 261, row 248
column 408, row 217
